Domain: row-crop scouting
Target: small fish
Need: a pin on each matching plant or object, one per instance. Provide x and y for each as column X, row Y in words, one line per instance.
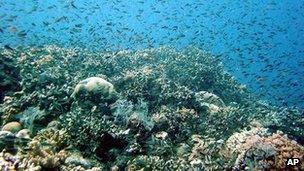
column 109, row 24
column 78, row 25
column 22, row 34
column 13, row 29
column 2, row 16
column 60, row 19
column 46, row 23
column 51, row 7
column 8, row 48
column 73, row 5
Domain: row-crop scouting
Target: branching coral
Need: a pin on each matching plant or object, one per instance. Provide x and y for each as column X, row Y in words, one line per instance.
column 57, row 139
column 42, row 157
column 38, row 157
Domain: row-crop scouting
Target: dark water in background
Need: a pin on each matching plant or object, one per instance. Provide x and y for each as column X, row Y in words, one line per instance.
column 261, row 42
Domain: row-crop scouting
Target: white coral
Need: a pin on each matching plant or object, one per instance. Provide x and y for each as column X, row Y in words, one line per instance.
column 95, row 85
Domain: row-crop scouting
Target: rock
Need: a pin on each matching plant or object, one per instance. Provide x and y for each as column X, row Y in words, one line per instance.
column 12, row 127
column 95, row 86
column 24, row 133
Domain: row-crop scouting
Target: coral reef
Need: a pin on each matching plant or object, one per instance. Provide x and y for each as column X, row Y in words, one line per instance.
column 256, row 150
column 37, row 158
column 42, row 157
column 290, row 121
column 152, row 109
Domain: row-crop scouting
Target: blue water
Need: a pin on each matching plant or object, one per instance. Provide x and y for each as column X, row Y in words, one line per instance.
column 261, row 42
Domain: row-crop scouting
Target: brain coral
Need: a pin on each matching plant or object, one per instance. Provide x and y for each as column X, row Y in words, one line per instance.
column 95, row 86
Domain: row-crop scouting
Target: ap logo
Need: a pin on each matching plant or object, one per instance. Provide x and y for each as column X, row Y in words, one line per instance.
column 292, row 162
